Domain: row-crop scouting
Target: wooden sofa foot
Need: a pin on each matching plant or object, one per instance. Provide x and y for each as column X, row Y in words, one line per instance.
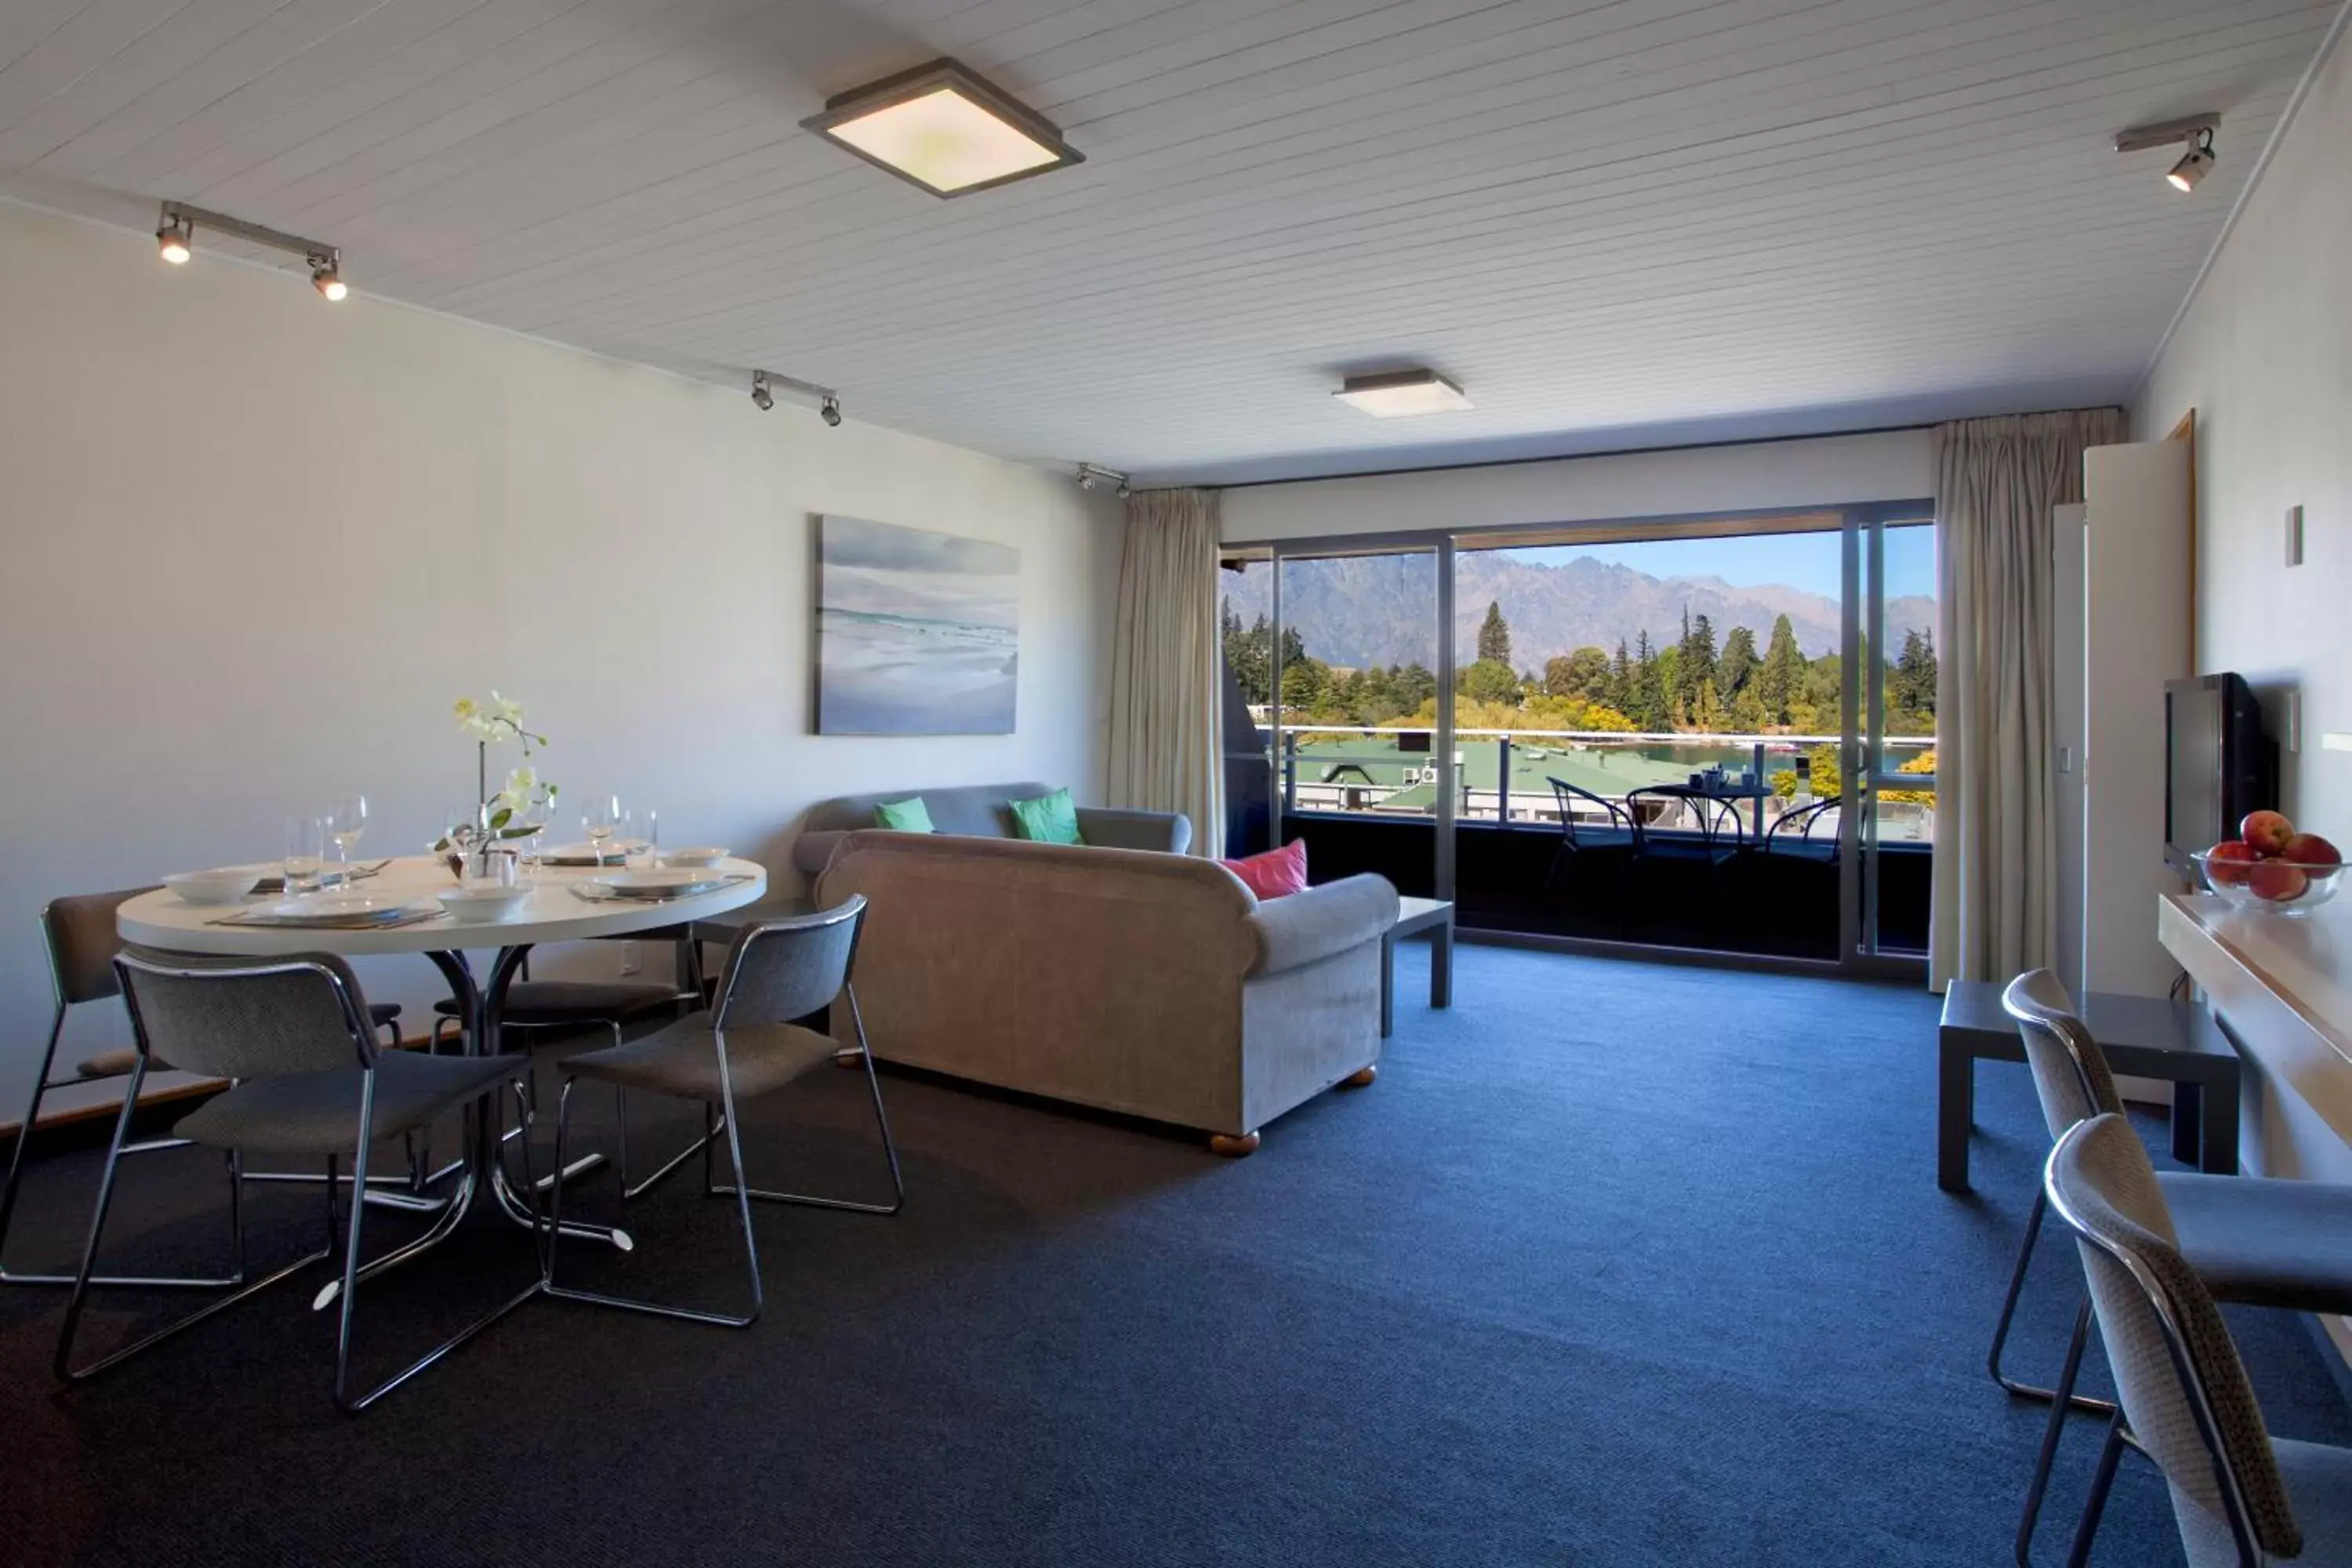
column 1231, row 1147
column 1360, row 1077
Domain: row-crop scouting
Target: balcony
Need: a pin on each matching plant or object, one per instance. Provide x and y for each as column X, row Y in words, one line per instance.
column 1723, row 842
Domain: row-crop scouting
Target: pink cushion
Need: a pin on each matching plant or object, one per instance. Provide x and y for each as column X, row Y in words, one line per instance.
column 1276, row 873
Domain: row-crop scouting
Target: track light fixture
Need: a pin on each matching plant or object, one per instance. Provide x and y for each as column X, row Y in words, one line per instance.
column 176, row 238
column 763, row 392
column 1093, row 475
column 2197, row 130
column 172, row 239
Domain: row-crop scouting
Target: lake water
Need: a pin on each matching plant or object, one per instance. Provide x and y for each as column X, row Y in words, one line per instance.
column 902, row 675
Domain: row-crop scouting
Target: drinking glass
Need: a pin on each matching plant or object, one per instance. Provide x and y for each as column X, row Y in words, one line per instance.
column 598, row 819
column 305, row 851
column 344, row 822
column 530, row 841
column 642, row 831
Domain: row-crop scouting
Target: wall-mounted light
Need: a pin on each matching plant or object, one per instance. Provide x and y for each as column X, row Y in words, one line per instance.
column 176, row 238
column 944, row 128
column 1401, row 395
column 2197, row 130
column 763, row 392
column 1093, row 476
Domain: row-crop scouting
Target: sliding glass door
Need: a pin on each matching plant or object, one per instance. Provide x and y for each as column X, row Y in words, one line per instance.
column 1685, row 733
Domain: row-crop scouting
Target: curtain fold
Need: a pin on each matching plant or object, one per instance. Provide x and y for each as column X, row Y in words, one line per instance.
column 1995, row 904
column 1165, row 753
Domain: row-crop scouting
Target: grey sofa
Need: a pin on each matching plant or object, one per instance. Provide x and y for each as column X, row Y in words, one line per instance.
column 1155, row 984
column 978, row 811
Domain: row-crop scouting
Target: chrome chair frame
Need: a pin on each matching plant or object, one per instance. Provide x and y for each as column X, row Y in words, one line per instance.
column 726, row 1121
column 347, row 1286
column 42, row 1084
column 2184, row 1366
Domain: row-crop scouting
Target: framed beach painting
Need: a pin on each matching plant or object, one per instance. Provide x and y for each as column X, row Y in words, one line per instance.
column 917, row 633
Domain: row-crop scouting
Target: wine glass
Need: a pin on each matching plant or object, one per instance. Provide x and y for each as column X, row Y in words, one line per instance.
column 598, row 819
column 345, row 820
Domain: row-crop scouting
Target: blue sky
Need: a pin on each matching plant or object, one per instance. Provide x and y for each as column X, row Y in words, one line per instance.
column 1807, row 561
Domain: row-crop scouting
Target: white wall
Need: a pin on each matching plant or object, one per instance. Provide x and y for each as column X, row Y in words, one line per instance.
column 1894, row 466
column 256, row 545
column 2265, row 357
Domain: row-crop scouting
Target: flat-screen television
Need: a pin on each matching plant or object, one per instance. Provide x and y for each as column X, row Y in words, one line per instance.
column 2218, row 763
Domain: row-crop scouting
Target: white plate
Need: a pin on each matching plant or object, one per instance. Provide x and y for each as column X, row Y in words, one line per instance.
column 670, row 884
column 347, row 911
column 581, row 855
column 699, row 856
column 488, row 902
column 205, row 888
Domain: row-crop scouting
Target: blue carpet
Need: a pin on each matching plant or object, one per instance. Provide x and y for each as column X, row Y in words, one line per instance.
column 1616, row 1264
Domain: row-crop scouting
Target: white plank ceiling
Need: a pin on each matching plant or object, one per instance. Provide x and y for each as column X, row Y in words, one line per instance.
column 1612, row 220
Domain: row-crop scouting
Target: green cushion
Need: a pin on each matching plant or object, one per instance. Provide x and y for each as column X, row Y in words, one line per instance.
column 1049, row 819
column 910, row 816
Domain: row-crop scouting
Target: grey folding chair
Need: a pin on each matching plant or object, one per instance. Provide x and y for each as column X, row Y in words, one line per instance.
column 2239, row 1495
column 2253, row 1240
column 306, row 1078
column 746, row 1046
column 77, row 935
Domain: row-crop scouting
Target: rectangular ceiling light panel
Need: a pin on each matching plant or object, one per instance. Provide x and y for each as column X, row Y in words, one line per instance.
column 941, row 127
column 1402, row 394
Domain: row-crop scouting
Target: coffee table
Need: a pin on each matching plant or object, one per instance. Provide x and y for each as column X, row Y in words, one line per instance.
column 1415, row 916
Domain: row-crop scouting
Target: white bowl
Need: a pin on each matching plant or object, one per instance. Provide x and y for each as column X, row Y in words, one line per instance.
column 481, row 900
column 701, row 856
column 224, row 886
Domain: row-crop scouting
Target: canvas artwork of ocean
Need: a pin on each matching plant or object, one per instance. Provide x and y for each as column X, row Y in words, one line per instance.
column 917, row 633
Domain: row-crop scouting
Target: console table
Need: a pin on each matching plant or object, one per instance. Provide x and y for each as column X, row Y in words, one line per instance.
column 2142, row 1037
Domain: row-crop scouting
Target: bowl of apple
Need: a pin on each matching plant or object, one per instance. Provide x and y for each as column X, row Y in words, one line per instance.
column 2271, row 867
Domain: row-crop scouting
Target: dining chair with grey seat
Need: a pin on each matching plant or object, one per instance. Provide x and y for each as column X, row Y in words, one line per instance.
column 306, row 1078
column 745, row 1047
column 77, row 935
column 2254, row 1241
column 2239, row 1497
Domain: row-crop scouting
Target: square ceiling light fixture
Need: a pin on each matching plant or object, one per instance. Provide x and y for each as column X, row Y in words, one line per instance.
column 1403, row 393
column 941, row 127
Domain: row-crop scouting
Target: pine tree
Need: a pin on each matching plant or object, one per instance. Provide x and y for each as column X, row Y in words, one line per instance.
column 1619, row 691
column 1494, row 636
column 1737, row 668
column 1651, row 701
column 1694, row 671
column 1780, row 682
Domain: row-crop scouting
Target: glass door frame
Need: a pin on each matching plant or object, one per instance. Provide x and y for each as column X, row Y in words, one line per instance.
column 1861, row 722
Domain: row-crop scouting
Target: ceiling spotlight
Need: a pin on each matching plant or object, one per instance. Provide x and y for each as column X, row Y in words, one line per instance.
column 1403, row 393
column 943, row 128
column 1093, row 475
column 2197, row 130
column 172, row 239
column 760, row 393
column 2193, row 165
column 327, row 275
column 830, row 412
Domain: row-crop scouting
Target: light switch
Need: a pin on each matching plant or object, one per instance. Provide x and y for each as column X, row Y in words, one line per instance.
column 2294, row 535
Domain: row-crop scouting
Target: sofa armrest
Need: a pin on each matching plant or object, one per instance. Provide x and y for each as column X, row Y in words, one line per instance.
column 811, row 849
column 1305, row 927
column 1106, row 827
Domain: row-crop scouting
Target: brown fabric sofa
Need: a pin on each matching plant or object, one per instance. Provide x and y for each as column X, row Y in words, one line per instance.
column 1151, row 984
column 979, row 811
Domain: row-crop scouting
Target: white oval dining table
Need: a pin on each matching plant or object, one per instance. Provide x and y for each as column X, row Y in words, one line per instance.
column 554, row 911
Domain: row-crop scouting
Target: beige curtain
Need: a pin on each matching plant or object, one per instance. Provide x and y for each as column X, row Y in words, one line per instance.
column 1165, row 753
column 1996, row 820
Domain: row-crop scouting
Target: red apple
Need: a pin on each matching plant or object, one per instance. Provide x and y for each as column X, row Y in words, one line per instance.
column 2277, row 881
column 2267, row 831
column 2226, row 862
column 2311, row 849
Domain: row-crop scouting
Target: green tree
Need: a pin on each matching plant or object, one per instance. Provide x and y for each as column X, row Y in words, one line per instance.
column 1748, row 710
column 1489, row 680
column 1649, row 702
column 1737, row 668
column 1780, row 681
column 1583, row 674
column 1494, row 636
column 1695, row 668
column 1913, row 687
column 1620, row 692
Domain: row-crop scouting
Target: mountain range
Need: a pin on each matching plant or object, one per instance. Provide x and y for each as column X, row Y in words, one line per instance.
column 1358, row 610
